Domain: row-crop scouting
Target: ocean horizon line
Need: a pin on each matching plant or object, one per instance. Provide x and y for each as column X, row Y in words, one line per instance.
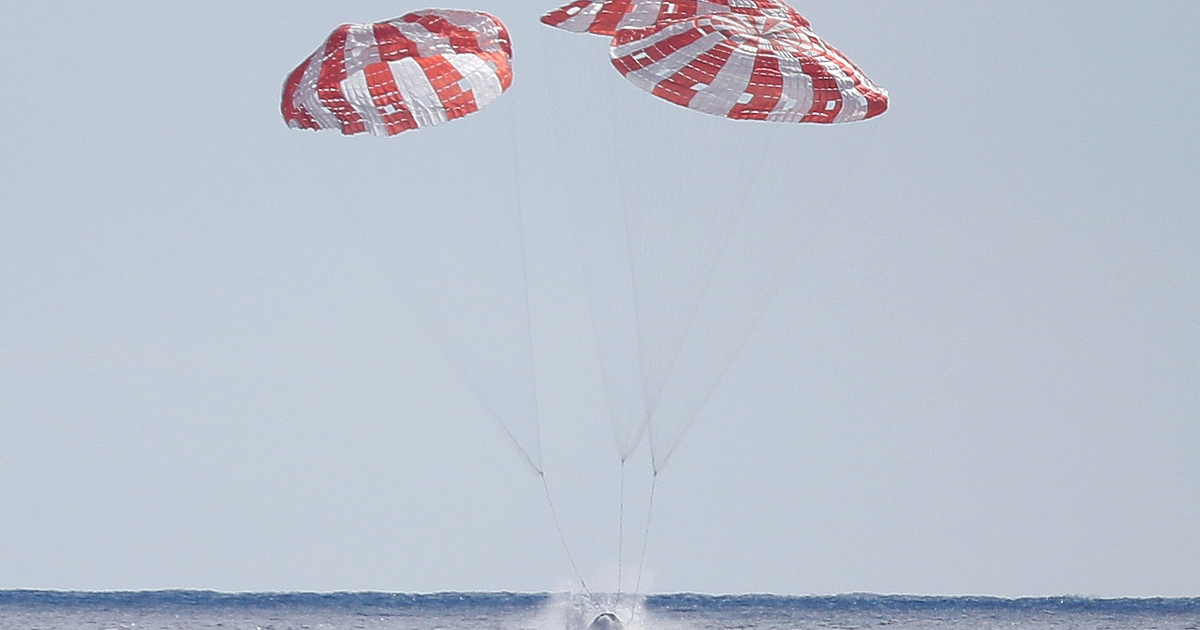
column 843, row 597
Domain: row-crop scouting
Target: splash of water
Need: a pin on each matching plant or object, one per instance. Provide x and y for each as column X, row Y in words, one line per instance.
column 575, row 611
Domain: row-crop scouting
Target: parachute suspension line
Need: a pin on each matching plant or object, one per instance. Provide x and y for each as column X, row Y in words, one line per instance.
column 563, row 538
column 746, row 191
column 622, row 188
column 516, row 162
column 358, row 223
column 851, row 166
column 622, row 196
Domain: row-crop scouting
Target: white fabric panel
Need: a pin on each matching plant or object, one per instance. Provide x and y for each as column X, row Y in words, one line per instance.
column 361, row 48
column 418, row 92
column 358, row 95
column 730, row 83
column 484, row 83
column 582, row 19
column 797, row 92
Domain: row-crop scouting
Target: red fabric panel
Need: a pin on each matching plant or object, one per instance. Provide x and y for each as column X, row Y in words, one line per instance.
column 393, row 45
column 446, row 81
column 386, row 96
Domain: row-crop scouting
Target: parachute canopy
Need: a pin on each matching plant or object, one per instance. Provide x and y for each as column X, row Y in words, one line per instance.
column 747, row 67
column 605, row 17
column 421, row 69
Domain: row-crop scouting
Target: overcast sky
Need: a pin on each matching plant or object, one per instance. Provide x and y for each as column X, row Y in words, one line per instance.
column 982, row 377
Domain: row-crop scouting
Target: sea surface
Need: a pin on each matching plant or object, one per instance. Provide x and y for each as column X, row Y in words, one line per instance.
column 46, row 610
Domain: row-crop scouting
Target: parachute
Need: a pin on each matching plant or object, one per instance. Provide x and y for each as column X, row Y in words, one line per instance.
column 421, row 69
column 446, row 252
column 704, row 220
column 747, row 67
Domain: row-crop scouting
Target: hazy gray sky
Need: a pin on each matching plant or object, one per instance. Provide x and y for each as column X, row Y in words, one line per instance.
column 983, row 376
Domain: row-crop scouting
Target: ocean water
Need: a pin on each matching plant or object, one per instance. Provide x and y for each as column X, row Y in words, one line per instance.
column 47, row 610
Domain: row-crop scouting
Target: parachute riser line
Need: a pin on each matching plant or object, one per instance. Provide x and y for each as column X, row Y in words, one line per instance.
column 563, row 537
column 358, row 223
column 645, row 543
column 621, row 534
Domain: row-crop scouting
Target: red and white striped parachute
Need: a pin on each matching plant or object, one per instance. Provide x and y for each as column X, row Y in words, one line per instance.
column 423, row 68
column 606, row 17
column 746, row 67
